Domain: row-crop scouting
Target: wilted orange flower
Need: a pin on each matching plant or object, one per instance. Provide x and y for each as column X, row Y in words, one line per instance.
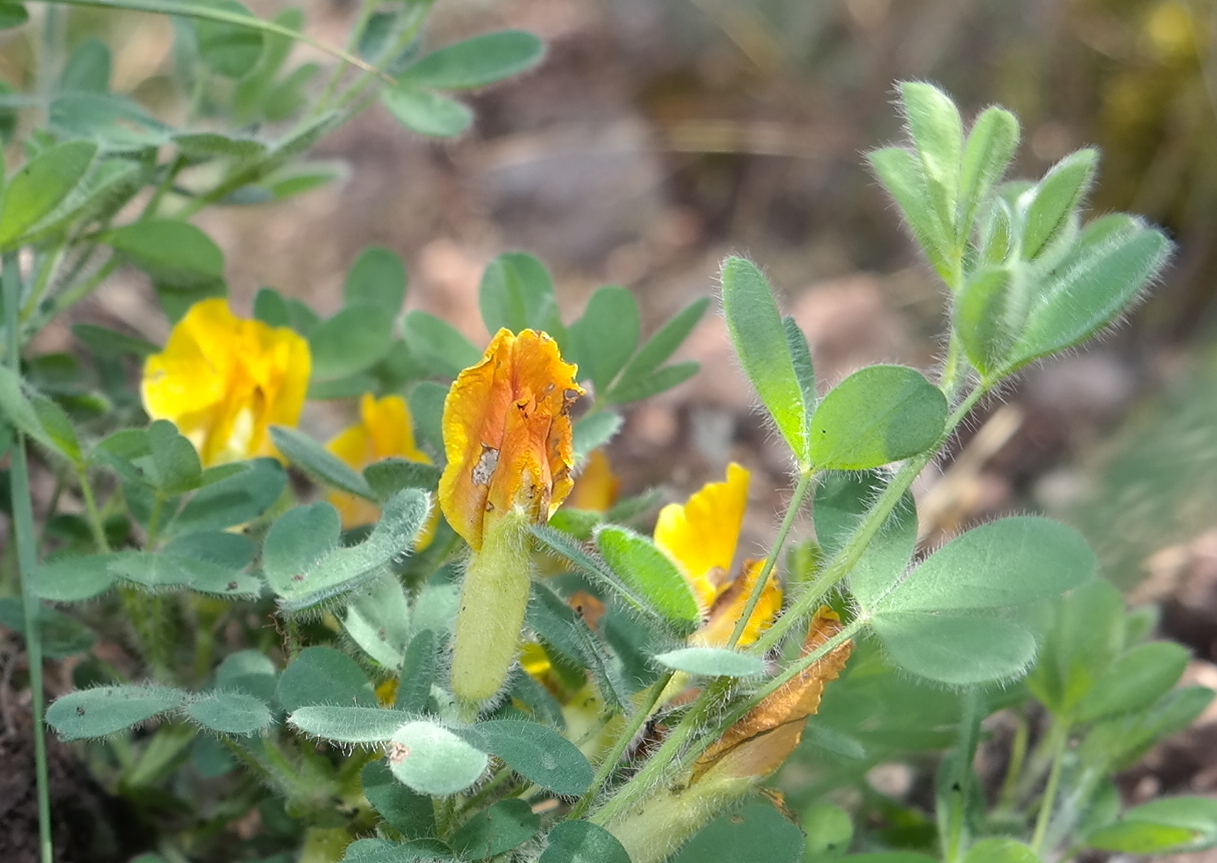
column 223, row 381
column 507, row 434
column 759, row 743
column 700, row 537
column 385, row 430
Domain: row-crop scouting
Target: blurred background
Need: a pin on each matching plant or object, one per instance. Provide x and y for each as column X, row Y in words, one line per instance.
column 660, row 135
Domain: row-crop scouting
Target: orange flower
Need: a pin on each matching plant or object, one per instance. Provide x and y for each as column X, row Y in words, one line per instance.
column 385, row 430
column 701, row 537
column 507, row 434
column 223, row 381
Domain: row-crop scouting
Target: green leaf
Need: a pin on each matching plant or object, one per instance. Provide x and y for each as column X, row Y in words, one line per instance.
column 986, row 156
column 582, row 842
column 323, row 676
column 229, row 50
column 1171, row 825
column 539, row 754
column 174, row 459
column 567, row 548
column 232, row 550
column 378, row 620
column 877, row 415
column 829, row 832
column 988, row 317
column 637, row 389
column 172, row 252
column 12, row 14
column 230, row 713
column 496, row 830
column 351, row 341
column 517, row 293
column 1135, row 681
column 800, row 355
column 426, row 402
column 304, row 564
column 377, row 278
column 594, row 430
column 889, row 857
column 477, row 61
column 1114, row 260
column 649, row 572
column 1083, row 635
column 425, row 112
column 61, row 636
column 356, row 725
column 736, row 838
column 248, row 671
column 117, row 123
column 418, row 671
column 940, row 622
column 712, row 662
column 40, row 185
column 841, row 502
column 88, row 67
column 19, row 410
column 204, row 146
column 431, row 759
column 318, row 462
column 1056, row 198
column 107, row 710
column 56, row 427
column 389, row 476
column 163, row 571
column 604, row 339
column 1040, row 559
column 409, row 813
column 1116, row 743
column 439, row 344
column 660, row 347
column 108, row 344
column 900, row 173
column 1000, row 851
column 759, row 338
column 427, row 850
column 233, row 500
column 937, row 133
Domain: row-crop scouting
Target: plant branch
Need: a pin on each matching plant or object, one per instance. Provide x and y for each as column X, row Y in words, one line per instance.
column 27, row 560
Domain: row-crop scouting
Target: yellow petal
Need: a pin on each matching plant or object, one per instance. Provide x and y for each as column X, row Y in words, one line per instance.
column 385, row 430
column 759, row 743
column 729, row 607
column 701, row 535
column 596, row 487
column 507, row 434
column 223, row 381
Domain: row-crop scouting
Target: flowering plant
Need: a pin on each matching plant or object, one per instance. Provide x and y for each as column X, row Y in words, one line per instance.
column 419, row 653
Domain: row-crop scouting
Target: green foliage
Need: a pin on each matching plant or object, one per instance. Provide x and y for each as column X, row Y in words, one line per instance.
column 279, row 637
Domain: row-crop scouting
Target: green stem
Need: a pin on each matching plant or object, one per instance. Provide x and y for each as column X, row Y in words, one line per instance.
column 792, row 511
column 422, row 7
column 844, row 560
column 1008, row 796
column 361, row 23
column 475, row 801
column 609, row 763
column 27, row 560
column 1060, row 742
column 49, row 265
column 95, row 520
column 676, row 749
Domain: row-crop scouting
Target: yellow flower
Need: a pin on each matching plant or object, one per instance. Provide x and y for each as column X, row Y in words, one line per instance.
column 223, row 381
column 700, row 537
column 385, row 430
column 507, row 434
column 596, row 487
